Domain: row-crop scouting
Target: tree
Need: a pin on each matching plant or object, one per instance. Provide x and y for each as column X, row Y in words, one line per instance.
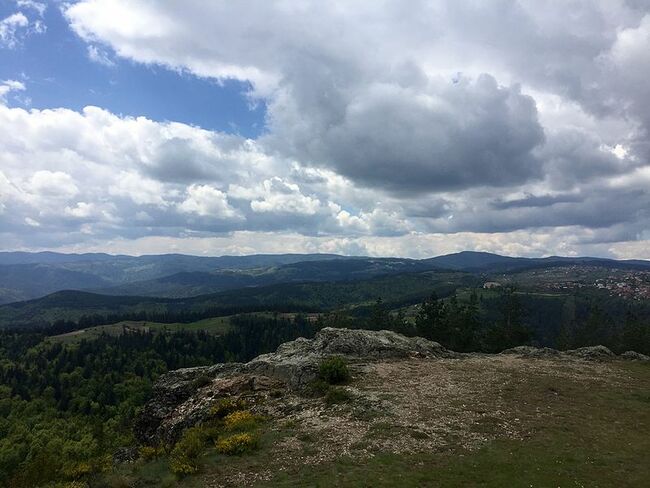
column 635, row 336
column 509, row 330
column 430, row 320
column 379, row 316
column 466, row 335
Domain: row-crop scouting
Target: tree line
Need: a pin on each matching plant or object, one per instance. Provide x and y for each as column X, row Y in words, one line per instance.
column 510, row 318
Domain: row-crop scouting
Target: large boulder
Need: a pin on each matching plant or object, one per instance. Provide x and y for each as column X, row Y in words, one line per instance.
column 296, row 362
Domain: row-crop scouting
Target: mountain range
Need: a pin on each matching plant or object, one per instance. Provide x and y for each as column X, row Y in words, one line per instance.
column 25, row 276
column 40, row 288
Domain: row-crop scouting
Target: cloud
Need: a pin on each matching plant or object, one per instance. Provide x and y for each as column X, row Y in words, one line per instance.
column 447, row 135
column 10, row 28
column 207, row 201
column 387, row 129
column 331, row 102
column 100, row 56
column 544, row 242
column 8, row 86
column 276, row 195
column 140, row 190
column 17, row 26
column 536, row 201
column 38, row 7
column 55, row 184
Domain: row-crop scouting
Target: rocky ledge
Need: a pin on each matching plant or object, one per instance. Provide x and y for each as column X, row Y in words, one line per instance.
column 183, row 398
column 592, row 353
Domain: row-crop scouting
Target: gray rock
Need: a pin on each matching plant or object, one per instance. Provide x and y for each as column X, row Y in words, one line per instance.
column 591, row 353
column 296, row 362
column 125, row 455
column 634, row 356
column 171, row 390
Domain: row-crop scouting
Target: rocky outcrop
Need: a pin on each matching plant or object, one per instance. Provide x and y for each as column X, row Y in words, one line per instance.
column 634, row 356
column 591, row 353
column 183, row 398
column 296, row 362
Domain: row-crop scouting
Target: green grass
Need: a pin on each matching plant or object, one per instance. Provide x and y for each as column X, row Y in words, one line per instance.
column 593, row 433
column 215, row 325
column 598, row 436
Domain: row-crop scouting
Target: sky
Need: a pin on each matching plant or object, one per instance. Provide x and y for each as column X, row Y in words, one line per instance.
column 375, row 127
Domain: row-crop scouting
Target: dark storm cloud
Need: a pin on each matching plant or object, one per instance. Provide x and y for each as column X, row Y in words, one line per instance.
column 447, row 135
column 599, row 208
column 536, row 201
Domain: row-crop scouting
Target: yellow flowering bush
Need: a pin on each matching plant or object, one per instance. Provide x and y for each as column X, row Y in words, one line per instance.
column 182, row 467
column 77, row 470
column 240, row 420
column 237, row 444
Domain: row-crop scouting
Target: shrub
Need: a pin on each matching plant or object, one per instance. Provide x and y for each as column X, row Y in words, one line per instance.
column 70, row 484
column 237, row 444
column 182, row 467
column 317, row 388
column 77, row 470
column 183, row 459
column 201, row 381
column 211, row 429
column 149, row 452
column 240, row 420
column 334, row 371
column 337, row 395
column 226, row 406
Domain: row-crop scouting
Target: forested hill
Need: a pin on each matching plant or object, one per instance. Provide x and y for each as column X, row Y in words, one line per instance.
column 407, row 288
column 189, row 284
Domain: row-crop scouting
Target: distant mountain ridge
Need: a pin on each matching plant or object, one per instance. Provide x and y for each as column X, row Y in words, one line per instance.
column 251, row 260
column 26, row 276
column 484, row 261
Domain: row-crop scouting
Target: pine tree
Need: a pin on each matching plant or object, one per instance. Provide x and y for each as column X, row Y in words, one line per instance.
column 430, row 321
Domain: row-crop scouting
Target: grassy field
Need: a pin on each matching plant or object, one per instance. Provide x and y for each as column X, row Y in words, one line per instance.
column 596, row 436
column 482, row 422
column 216, row 325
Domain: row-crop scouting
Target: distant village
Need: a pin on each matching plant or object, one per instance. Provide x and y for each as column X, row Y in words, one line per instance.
column 629, row 284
